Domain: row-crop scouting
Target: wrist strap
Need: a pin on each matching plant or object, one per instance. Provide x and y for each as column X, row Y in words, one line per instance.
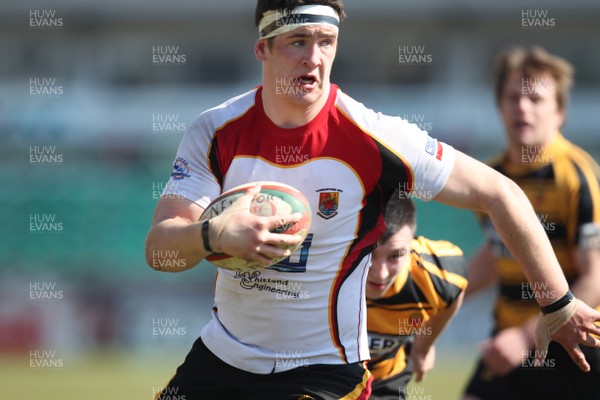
column 205, row 239
column 549, row 324
column 558, row 304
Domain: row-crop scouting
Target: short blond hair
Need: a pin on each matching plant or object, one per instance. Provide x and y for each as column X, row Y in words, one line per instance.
column 531, row 63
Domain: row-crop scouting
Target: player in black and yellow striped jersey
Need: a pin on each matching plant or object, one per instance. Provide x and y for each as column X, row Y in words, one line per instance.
column 562, row 183
column 414, row 287
column 565, row 202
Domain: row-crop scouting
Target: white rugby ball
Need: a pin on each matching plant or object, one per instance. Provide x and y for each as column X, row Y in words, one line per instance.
column 275, row 198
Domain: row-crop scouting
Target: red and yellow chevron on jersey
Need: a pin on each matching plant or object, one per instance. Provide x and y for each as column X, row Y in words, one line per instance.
column 309, row 308
column 561, row 182
column 433, row 280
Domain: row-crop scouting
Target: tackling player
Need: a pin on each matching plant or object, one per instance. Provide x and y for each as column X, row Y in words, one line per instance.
column 414, row 287
column 561, row 181
column 354, row 158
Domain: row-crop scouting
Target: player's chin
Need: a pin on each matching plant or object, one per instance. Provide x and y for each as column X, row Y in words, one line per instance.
column 373, row 294
column 309, row 95
column 304, row 100
column 524, row 135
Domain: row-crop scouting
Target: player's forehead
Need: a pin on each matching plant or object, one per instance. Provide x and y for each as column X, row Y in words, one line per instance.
column 399, row 241
column 321, row 31
column 518, row 83
column 276, row 22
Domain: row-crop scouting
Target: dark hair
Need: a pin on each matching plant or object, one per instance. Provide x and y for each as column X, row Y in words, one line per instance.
column 399, row 212
column 530, row 64
column 263, row 6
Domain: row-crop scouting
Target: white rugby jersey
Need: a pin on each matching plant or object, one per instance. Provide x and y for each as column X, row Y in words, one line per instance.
column 309, row 308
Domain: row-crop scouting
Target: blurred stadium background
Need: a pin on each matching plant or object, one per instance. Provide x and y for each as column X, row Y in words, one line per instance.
column 91, row 113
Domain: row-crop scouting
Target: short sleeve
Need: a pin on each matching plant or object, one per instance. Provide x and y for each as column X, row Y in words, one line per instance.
column 429, row 160
column 413, row 162
column 191, row 176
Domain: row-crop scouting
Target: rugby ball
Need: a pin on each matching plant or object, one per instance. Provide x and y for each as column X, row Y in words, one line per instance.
column 274, row 199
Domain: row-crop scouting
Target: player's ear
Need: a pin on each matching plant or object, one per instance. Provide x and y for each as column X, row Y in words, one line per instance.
column 260, row 50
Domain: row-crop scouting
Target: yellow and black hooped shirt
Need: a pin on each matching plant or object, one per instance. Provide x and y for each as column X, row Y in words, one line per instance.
column 434, row 279
column 561, row 182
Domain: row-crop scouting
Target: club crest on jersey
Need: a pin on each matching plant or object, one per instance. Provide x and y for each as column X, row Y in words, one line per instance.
column 328, row 203
column 180, row 169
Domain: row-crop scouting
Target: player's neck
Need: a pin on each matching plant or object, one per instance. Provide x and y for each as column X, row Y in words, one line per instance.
column 518, row 154
column 287, row 113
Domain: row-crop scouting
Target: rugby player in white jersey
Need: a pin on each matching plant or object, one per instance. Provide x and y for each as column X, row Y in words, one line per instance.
column 259, row 345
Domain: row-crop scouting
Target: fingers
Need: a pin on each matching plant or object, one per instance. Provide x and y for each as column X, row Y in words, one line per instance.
column 591, row 341
column 246, row 199
column 240, row 233
column 262, row 259
column 275, row 223
column 578, row 358
column 263, row 256
column 269, row 253
column 595, row 329
column 282, row 222
column 282, row 240
column 253, row 191
column 576, row 330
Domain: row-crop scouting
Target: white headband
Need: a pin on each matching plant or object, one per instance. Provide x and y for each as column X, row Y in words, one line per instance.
column 276, row 22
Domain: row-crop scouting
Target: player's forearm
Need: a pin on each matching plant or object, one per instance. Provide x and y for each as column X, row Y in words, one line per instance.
column 174, row 245
column 478, row 187
column 435, row 326
column 518, row 226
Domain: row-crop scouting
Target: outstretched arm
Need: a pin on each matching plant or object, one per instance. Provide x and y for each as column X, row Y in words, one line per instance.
column 476, row 186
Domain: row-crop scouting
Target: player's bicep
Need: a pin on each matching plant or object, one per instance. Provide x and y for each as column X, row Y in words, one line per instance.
column 176, row 208
column 472, row 185
column 413, row 161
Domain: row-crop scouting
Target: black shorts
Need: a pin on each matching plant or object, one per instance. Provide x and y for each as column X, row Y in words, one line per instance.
column 204, row 376
column 558, row 378
column 393, row 388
